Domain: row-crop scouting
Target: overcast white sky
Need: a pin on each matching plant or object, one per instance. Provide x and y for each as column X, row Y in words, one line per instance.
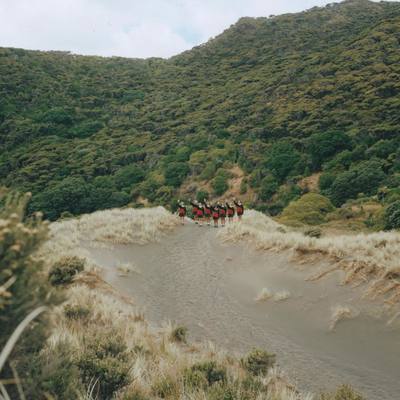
column 129, row 28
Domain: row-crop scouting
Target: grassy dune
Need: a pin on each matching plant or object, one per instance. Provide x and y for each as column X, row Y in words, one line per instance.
column 103, row 228
column 366, row 258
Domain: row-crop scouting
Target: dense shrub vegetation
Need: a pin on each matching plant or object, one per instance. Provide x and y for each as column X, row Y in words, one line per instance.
column 392, row 216
column 23, row 288
column 282, row 97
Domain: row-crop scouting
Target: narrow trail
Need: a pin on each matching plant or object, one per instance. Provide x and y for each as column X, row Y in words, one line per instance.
column 193, row 279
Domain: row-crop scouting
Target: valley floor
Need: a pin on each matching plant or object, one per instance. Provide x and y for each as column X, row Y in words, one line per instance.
column 324, row 333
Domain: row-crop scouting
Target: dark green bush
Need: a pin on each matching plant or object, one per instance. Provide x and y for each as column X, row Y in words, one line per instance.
column 258, row 362
column 365, row 177
column 71, row 194
column 105, row 361
column 268, row 187
column 324, row 145
column 392, row 216
column 64, row 270
column 220, row 184
column 282, row 159
column 175, row 173
column 326, row 181
column 128, row 176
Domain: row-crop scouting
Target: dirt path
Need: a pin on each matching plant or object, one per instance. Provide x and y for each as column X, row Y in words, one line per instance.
column 195, row 280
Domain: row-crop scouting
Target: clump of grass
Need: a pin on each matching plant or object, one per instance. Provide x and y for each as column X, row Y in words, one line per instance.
column 179, row 334
column 364, row 257
column 76, row 312
column 264, row 295
column 259, row 362
column 282, row 295
column 340, row 313
column 344, row 392
column 64, row 270
column 127, row 268
column 314, row 233
column 166, row 388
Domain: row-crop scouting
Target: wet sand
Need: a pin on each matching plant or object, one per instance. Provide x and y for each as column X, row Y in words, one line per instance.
column 193, row 279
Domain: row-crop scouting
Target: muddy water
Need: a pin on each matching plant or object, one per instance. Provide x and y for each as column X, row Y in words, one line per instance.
column 195, row 280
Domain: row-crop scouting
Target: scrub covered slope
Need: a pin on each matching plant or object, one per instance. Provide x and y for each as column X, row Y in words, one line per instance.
column 281, row 97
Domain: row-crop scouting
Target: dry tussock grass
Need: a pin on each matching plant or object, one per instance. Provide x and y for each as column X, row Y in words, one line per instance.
column 341, row 313
column 156, row 356
column 105, row 228
column 366, row 258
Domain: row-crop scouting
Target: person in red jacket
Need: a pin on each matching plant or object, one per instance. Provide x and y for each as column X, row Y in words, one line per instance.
column 195, row 208
column 207, row 212
column 200, row 214
column 215, row 215
column 230, row 212
column 182, row 211
column 239, row 209
column 222, row 213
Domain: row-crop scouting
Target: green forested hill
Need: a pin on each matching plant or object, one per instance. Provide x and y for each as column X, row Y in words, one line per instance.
column 282, row 97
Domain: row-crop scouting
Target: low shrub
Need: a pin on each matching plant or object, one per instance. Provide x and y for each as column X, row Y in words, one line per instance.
column 105, row 361
column 311, row 209
column 59, row 376
column 344, row 392
column 179, row 334
column 64, row 270
column 204, row 374
column 258, row 362
column 314, row 233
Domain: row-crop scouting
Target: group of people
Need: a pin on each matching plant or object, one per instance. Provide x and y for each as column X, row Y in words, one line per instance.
column 219, row 212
